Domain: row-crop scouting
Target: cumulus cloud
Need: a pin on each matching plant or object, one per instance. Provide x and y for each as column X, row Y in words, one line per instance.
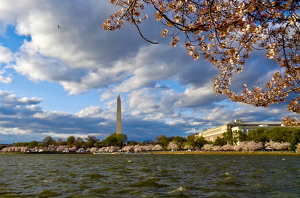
column 106, row 95
column 6, row 80
column 14, row 131
column 10, row 100
column 5, row 55
column 91, row 111
column 152, row 63
column 197, row 96
column 33, row 100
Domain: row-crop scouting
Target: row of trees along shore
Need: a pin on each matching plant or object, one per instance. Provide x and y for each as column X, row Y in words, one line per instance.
column 279, row 138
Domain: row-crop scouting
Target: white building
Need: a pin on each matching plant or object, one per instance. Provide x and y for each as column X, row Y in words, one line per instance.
column 237, row 125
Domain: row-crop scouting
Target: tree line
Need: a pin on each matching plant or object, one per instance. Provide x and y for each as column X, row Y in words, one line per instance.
column 277, row 134
column 88, row 142
column 278, row 138
column 261, row 135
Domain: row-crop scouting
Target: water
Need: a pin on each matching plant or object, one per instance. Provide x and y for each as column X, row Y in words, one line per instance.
column 149, row 176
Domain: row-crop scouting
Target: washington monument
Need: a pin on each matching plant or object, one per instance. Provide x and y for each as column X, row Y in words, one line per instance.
column 119, row 122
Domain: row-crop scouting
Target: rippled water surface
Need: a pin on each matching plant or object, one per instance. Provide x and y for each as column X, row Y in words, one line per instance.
column 149, row 176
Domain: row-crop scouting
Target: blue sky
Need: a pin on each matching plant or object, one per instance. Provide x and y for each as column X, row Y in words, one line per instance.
column 65, row 81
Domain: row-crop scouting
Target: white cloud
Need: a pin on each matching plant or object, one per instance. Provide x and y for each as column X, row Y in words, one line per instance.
column 91, row 111
column 51, row 115
column 6, row 80
column 106, row 95
column 5, row 55
column 33, row 100
column 152, row 64
column 141, row 99
column 196, row 96
column 14, row 131
column 177, row 121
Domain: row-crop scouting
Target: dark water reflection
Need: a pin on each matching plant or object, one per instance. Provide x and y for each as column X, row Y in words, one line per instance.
column 149, row 176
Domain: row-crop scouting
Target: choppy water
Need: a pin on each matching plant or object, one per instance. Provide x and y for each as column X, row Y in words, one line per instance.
column 149, row 176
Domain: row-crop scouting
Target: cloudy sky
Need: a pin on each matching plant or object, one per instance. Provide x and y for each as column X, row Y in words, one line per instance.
column 65, row 81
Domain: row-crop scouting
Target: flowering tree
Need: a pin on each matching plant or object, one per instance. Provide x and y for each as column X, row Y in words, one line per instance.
column 298, row 148
column 227, row 147
column 248, row 146
column 225, row 32
column 148, row 147
column 128, row 149
column 208, row 147
column 187, row 145
column 137, row 149
column 93, row 149
column 157, row 147
column 277, row 145
column 172, row 146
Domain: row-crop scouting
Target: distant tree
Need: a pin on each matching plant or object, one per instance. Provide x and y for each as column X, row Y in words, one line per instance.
column 200, row 142
column 128, row 149
column 220, row 141
column 248, row 146
column 179, row 141
column 122, row 139
column 172, row 146
column 298, row 148
column 71, row 140
column 60, row 142
column 208, row 147
column 162, row 140
column 258, row 135
column 79, row 142
column 33, row 144
column 41, row 145
column 227, row 147
column 137, row 149
column 99, row 144
column 111, row 140
column 238, row 136
column 295, row 132
column 170, row 139
column 228, row 137
column 277, row 145
column 190, row 143
column 157, row 147
column 49, row 141
column 132, row 143
column 293, row 146
column 278, row 134
column 91, row 139
column 147, row 141
column 21, row 144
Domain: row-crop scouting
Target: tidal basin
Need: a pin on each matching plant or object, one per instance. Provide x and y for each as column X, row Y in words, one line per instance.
column 75, row 175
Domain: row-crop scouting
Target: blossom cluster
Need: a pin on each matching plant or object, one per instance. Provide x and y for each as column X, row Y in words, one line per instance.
column 248, row 146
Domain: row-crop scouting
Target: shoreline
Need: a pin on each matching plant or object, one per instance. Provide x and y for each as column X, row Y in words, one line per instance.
column 270, row 153
column 227, row 153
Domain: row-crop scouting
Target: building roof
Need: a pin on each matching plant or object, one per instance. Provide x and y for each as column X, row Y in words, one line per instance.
column 239, row 122
column 256, row 123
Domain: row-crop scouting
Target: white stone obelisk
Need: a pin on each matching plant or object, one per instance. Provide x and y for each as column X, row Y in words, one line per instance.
column 119, row 122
